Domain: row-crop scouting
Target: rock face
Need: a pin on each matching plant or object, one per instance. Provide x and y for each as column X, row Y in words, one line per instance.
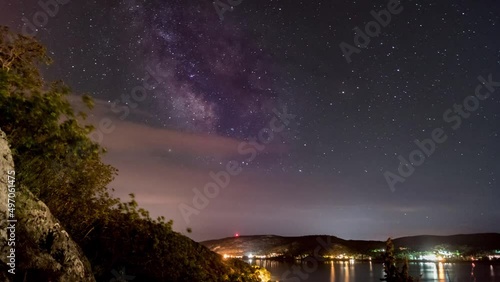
column 43, row 249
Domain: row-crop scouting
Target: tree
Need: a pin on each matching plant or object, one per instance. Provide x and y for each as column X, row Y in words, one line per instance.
column 392, row 273
column 54, row 156
column 57, row 161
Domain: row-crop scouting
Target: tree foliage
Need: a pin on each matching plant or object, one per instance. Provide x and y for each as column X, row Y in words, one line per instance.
column 54, row 157
column 57, row 161
column 392, row 273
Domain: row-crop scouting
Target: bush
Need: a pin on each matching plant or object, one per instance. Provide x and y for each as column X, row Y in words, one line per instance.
column 57, row 161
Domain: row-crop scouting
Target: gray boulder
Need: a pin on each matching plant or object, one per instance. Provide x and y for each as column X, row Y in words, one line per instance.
column 43, row 249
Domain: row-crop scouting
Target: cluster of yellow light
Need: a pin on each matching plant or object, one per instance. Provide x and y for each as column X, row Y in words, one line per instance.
column 231, row 256
column 432, row 257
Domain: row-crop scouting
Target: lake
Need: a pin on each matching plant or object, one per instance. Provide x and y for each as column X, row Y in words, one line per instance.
column 345, row 271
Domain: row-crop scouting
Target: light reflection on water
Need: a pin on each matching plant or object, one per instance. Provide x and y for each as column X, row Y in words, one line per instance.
column 345, row 271
column 332, row 272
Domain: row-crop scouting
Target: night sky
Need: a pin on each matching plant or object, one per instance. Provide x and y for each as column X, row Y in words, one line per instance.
column 188, row 89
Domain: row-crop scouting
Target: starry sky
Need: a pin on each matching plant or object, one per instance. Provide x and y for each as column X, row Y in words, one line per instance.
column 190, row 86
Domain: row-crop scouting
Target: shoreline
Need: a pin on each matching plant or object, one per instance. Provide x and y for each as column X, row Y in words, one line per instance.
column 495, row 262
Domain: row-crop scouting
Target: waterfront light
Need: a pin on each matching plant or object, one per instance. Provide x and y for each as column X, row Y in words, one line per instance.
column 430, row 257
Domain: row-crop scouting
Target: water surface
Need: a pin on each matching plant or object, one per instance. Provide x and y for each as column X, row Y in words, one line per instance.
column 341, row 271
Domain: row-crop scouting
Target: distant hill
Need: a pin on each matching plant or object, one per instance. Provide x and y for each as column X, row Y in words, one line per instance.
column 482, row 241
column 281, row 246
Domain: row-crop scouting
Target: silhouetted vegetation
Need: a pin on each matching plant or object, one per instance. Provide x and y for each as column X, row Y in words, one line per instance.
column 392, row 272
column 57, row 161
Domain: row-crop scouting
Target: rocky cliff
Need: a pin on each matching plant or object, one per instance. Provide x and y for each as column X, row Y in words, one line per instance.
column 43, row 250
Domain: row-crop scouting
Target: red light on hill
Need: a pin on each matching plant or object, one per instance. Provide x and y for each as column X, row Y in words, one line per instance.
column 237, row 235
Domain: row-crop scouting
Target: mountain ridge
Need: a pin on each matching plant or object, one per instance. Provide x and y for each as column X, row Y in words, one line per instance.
column 293, row 246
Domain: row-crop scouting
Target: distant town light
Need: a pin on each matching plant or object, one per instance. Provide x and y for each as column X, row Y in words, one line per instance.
column 430, row 257
column 433, row 257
